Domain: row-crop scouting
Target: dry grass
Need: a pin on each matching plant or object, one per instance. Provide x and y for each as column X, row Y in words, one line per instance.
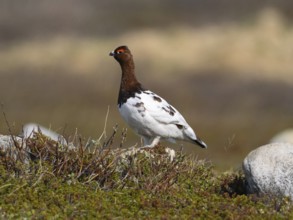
column 97, row 161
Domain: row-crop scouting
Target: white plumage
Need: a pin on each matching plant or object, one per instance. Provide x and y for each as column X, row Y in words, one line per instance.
column 152, row 117
column 148, row 114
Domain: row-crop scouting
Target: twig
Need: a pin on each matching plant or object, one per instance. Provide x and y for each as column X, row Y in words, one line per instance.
column 104, row 134
column 18, row 188
column 124, row 134
column 9, row 128
column 6, row 185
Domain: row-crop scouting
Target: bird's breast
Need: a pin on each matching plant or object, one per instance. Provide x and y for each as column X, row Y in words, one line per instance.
column 133, row 112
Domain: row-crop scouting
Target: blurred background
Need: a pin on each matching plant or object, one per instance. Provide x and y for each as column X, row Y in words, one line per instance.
column 225, row 65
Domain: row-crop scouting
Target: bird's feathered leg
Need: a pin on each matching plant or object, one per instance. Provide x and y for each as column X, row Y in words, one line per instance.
column 150, row 142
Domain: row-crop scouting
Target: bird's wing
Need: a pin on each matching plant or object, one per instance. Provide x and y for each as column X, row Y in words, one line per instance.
column 161, row 110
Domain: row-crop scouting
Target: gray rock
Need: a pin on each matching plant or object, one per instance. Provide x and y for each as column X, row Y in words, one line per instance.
column 7, row 142
column 9, row 148
column 285, row 136
column 269, row 170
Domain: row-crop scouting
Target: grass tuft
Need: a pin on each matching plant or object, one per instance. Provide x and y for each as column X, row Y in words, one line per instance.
column 96, row 179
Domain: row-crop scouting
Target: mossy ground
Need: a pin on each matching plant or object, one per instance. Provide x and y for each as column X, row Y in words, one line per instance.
column 101, row 182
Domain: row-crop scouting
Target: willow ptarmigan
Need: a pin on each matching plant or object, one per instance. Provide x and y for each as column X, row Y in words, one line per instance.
column 148, row 114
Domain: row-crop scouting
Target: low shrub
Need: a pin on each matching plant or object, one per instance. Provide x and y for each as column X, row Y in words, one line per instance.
column 97, row 180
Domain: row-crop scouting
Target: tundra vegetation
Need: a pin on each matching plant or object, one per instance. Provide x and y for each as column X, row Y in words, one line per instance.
column 100, row 179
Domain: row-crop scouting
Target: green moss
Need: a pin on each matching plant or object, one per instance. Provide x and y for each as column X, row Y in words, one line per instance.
column 105, row 183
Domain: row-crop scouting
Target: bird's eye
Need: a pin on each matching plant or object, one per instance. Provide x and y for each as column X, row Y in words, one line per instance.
column 119, row 51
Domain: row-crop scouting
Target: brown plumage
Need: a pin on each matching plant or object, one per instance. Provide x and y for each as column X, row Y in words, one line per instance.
column 129, row 85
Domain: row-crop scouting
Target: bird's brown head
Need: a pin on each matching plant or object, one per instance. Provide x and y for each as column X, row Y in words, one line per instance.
column 121, row 54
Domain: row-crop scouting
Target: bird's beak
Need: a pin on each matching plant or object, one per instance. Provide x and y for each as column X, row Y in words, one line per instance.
column 111, row 53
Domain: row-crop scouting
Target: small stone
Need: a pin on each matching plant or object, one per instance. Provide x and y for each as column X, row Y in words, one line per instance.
column 9, row 145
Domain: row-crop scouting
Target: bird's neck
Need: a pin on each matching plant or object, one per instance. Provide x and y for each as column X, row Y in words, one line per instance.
column 129, row 86
column 128, row 78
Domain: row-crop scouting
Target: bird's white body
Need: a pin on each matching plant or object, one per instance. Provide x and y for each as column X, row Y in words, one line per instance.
column 148, row 114
column 152, row 117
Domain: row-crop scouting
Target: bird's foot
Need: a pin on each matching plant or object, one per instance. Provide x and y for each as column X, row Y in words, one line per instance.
column 153, row 143
column 148, row 147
